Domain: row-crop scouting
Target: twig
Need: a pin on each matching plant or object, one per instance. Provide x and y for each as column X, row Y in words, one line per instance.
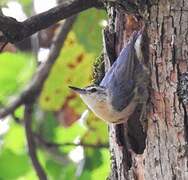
column 41, row 140
column 31, row 143
column 3, row 46
column 128, row 6
column 15, row 31
column 96, row 146
column 3, row 39
column 16, row 119
column 10, row 109
column 34, row 88
column 54, row 152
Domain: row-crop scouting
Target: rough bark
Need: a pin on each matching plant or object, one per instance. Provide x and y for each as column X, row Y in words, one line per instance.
column 161, row 150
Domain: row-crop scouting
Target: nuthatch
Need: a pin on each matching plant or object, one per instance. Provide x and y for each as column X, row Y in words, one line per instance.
column 123, row 86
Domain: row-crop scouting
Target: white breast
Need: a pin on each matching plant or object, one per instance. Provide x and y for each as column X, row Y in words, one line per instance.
column 106, row 112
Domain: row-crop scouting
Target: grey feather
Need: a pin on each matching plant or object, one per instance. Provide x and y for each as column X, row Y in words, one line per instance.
column 119, row 80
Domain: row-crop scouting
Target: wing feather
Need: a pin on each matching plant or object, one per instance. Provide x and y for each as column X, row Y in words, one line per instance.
column 119, row 80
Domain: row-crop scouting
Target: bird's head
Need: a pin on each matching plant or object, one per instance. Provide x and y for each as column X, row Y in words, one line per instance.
column 91, row 95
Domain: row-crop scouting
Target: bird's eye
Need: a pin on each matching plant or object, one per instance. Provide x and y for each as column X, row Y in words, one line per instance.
column 93, row 90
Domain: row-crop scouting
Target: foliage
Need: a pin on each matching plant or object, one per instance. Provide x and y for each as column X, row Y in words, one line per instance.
column 55, row 117
column 15, row 70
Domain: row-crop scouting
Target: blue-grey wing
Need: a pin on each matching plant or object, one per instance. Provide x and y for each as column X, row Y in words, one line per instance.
column 119, row 80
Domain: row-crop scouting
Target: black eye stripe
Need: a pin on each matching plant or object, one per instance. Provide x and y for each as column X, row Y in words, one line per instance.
column 93, row 90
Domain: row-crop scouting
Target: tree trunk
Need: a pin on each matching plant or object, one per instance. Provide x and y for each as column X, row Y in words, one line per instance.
column 159, row 148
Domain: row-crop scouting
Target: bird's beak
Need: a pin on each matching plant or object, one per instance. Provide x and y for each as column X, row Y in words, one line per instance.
column 78, row 90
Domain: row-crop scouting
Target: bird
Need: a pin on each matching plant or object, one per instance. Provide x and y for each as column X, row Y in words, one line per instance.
column 123, row 87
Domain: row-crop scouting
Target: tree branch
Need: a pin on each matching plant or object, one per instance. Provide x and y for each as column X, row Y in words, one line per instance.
column 41, row 140
column 128, row 6
column 34, row 88
column 3, row 46
column 31, row 143
column 15, row 31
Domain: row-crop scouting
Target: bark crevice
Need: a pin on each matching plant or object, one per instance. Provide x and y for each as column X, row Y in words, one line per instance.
column 161, row 153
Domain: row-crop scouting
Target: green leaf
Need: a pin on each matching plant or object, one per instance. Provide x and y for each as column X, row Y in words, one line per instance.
column 64, row 135
column 73, row 67
column 13, row 165
column 54, row 169
column 97, row 132
column 69, row 134
column 104, row 169
column 68, row 172
column 59, row 171
column 15, row 138
column 27, row 6
column 86, row 175
column 93, row 159
column 90, row 34
column 3, row 2
column 30, row 175
column 19, row 112
column 15, row 70
column 97, row 165
column 47, row 126
column 25, row 2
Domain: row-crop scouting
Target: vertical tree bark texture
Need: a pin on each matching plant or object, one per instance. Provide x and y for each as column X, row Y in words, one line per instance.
column 163, row 154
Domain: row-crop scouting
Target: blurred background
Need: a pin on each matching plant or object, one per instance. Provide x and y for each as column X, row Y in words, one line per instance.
column 72, row 144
